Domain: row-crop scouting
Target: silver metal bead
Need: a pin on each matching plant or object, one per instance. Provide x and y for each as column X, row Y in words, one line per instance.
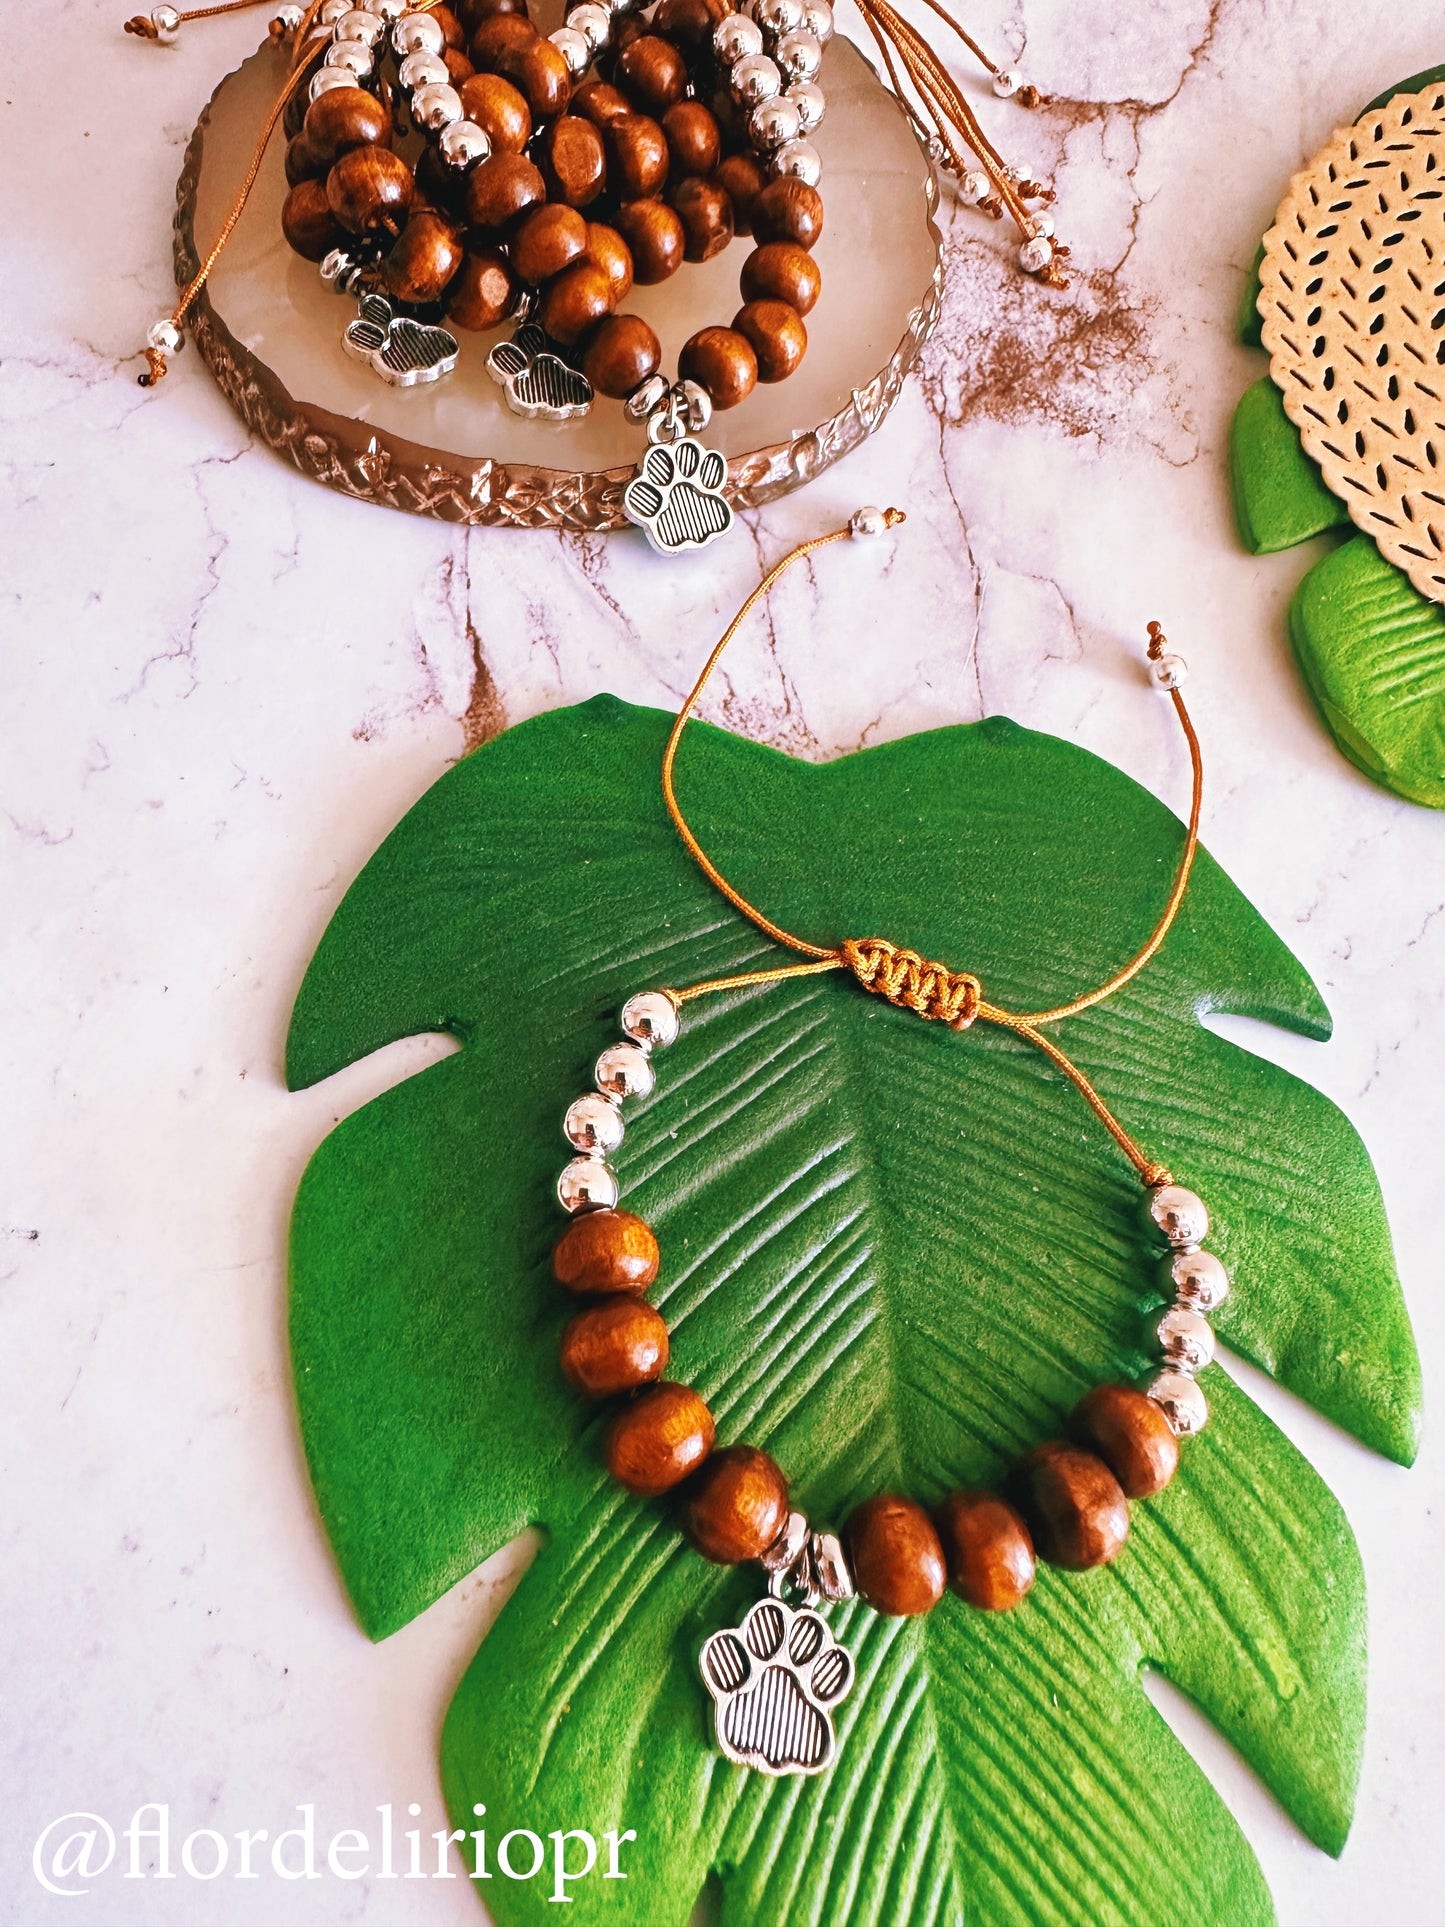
column 388, row 10
column 1196, row 1279
column 1167, row 672
column 735, row 38
column 574, row 47
column 1007, row 82
column 588, row 1184
column 817, row 20
column 286, row 20
column 784, row 1550
column 1182, row 1402
column 650, row 1018
column 1185, row 1338
column 593, row 1123
column 325, row 78
column 831, row 1565
column 594, row 23
column 867, row 521
column 755, row 78
column 166, row 21
column 356, row 25
column 436, row 106
column 623, row 1071
column 1178, row 1214
column 644, row 398
column 974, row 186
column 164, row 336
column 337, row 269
column 1036, row 254
column 333, row 12
column 799, row 161
column 423, row 70
column 807, row 97
column 464, row 144
column 777, row 17
column 418, row 33
column 774, row 121
column 617, row 7
column 799, row 55
column 697, row 405
column 354, row 58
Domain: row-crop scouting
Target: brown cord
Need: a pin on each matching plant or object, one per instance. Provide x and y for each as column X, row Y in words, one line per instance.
column 904, row 977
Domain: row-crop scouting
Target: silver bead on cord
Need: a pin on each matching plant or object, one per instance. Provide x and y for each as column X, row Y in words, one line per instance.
column 771, row 55
column 593, row 1123
column 1197, row 1284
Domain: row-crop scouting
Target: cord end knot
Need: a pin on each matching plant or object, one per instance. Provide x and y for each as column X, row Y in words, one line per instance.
column 913, row 982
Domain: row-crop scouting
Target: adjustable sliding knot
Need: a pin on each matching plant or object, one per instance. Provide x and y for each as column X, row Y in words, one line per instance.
column 911, row 981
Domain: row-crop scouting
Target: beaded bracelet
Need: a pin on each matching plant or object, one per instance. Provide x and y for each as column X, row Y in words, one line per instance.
column 775, row 1678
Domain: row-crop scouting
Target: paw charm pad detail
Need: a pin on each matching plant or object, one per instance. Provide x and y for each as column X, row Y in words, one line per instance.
column 774, row 1683
column 403, row 352
column 676, row 496
column 538, row 384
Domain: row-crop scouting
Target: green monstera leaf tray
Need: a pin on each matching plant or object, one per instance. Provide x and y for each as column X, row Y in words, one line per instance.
column 894, row 1256
column 1370, row 645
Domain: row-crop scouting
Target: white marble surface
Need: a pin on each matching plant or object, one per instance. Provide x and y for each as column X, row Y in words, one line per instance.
column 222, row 685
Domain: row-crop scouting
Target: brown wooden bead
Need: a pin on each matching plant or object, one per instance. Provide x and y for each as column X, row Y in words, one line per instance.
column 636, row 156
column 615, row 1346
column 459, row 67
column 1074, row 1505
column 499, row 110
column 473, row 12
column 574, row 301
column 496, row 35
column 484, row 292
column 694, row 144
column 654, row 237
column 427, row 254
column 607, row 250
column 541, row 74
column 301, row 161
column 706, row 214
column 453, row 32
column 895, row 1554
column 721, row 361
column 599, row 103
column 777, row 335
column 690, row 22
column 788, row 210
column 370, row 191
column 988, row 1548
column 547, row 240
column 627, row 27
column 438, row 185
column 621, row 355
column 1131, row 1435
column 573, row 160
column 501, row 190
column 743, row 177
column 736, row 1506
column 655, row 1442
column 294, row 113
column 652, row 73
column 346, row 117
column 782, row 271
column 308, row 223
column 606, row 1251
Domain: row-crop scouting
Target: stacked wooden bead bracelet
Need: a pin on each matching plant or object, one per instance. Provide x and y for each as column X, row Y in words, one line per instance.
column 1066, row 1502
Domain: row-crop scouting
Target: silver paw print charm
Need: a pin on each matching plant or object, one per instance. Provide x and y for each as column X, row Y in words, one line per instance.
column 537, row 382
column 774, row 1683
column 676, row 496
column 402, row 351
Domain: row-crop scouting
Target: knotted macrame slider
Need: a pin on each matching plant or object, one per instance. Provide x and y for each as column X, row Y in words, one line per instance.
column 913, row 982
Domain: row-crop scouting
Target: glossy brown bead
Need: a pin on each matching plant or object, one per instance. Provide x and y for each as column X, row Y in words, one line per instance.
column 540, row 73
column 302, row 163
column 346, row 117
column 459, row 67
column 483, row 294
column 424, row 260
column 706, row 214
column 989, row 1551
column 788, row 210
column 547, row 240
column 743, row 177
column 438, row 185
column 501, row 190
column 621, row 355
column 574, row 301
column 615, row 1346
column 657, row 1440
column 694, row 144
column 294, row 113
column 736, row 1506
column 721, row 361
column 370, row 191
column 636, row 156
column 652, row 73
column 606, row 1251
column 499, row 110
column 573, row 160
column 1131, row 1435
column 654, row 238
column 473, row 12
column 776, row 334
column 453, row 32
column 895, row 1555
column 308, row 223
column 1075, row 1507
column 690, row 22
column 598, row 102
column 607, row 250
column 782, row 271
column 497, row 35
